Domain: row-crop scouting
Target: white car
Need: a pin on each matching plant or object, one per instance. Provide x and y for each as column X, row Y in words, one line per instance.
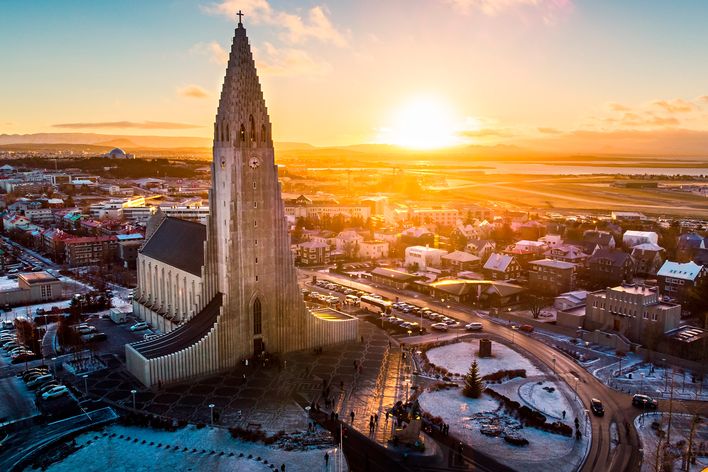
column 473, row 326
column 39, row 380
column 55, row 392
column 139, row 326
column 439, row 326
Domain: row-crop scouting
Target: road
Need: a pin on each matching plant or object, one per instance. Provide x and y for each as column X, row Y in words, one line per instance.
column 618, row 406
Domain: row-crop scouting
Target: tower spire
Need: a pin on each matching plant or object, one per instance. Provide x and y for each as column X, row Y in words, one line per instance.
column 240, row 15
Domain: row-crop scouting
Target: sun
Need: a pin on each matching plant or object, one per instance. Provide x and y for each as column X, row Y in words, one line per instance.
column 422, row 123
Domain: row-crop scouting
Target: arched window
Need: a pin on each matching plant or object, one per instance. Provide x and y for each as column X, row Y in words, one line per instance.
column 252, row 130
column 228, row 134
column 242, row 134
column 257, row 327
column 264, row 138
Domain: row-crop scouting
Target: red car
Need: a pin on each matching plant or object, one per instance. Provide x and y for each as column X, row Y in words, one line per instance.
column 527, row 328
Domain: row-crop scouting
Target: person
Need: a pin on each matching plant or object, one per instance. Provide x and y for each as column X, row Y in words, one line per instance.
column 362, row 339
column 326, row 459
column 351, row 414
column 282, row 468
column 376, row 418
column 563, row 414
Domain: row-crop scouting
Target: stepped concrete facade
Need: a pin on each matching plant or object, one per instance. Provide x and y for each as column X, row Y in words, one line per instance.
column 229, row 291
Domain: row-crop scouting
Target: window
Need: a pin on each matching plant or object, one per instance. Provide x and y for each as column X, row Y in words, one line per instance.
column 264, row 137
column 257, row 326
column 254, row 185
column 255, row 204
column 242, row 134
column 256, row 242
column 252, row 129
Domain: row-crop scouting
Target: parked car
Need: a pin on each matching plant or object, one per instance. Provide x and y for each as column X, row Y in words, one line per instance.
column 97, row 337
column 645, row 401
column 596, row 407
column 37, row 381
column 46, row 386
column 139, row 326
column 439, row 326
column 32, row 370
column 24, row 356
column 526, row 328
column 474, row 326
column 55, row 392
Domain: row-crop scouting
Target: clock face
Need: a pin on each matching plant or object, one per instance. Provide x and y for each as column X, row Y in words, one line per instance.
column 254, row 162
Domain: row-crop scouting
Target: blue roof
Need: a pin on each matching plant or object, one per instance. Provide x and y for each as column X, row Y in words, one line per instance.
column 129, row 237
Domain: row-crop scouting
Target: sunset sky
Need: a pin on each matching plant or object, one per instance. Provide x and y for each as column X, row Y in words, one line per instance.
column 420, row 73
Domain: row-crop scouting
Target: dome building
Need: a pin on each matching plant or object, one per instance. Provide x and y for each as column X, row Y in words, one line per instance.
column 118, row 153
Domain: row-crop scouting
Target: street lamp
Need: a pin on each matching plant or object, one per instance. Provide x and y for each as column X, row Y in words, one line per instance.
column 641, row 384
column 577, row 379
column 554, row 365
column 85, row 377
column 133, row 392
column 211, row 412
column 54, row 366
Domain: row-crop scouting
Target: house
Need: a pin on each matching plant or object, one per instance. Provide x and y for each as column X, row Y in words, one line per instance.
column 458, row 261
column 373, row 249
column 633, row 238
column 417, row 236
column 677, row 280
column 648, row 258
column 531, row 247
column 501, row 267
column 689, row 244
column 312, row 253
column 609, row 267
column 347, row 242
column 551, row 240
column 634, row 311
column 550, row 277
column 567, row 253
column 481, row 248
column 393, row 278
column 600, row 239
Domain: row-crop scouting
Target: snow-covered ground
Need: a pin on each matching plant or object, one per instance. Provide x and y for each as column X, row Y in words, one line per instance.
column 466, row 416
column 457, row 357
column 30, row 310
column 546, row 397
column 680, row 429
column 119, row 454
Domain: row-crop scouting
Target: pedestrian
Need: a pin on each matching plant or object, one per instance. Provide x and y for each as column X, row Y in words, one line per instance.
column 331, row 416
column 376, row 418
column 351, row 414
column 341, row 385
column 326, row 459
column 282, row 468
column 362, row 339
column 563, row 414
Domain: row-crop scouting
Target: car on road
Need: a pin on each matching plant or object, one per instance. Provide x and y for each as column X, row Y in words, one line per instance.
column 526, row 328
column 139, row 326
column 86, row 329
column 474, row 326
column 645, row 401
column 55, row 392
column 440, row 326
column 97, row 337
column 596, row 407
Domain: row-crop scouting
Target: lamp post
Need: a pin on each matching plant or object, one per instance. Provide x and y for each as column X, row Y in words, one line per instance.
column 666, row 375
column 554, row 365
column 641, row 383
column 211, row 413
column 577, row 379
column 133, row 392
column 85, row 377
column 54, row 366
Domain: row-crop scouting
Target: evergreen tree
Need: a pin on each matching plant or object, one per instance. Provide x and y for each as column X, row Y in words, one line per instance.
column 473, row 383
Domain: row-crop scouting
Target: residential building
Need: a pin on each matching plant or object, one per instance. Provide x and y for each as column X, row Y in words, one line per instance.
column 437, row 216
column 551, row 277
column 30, row 288
column 599, row 239
column 40, row 215
column 689, row 244
column 373, row 249
column 348, row 242
column 423, row 257
column 459, row 261
column 501, row 267
column 89, row 250
column 486, row 293
column 312, row 253
column 648, row 258
column 568, row 300
column 481, row 248
column 568, row 253
column 677, row 279
column 608, row 267
column 634, row 311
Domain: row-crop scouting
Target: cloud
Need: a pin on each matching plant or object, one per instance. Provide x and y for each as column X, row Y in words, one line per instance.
column 295, row 29
column 703, row 98
column 288, row 61
column 192, row 91
column 215, row 51
column 546, row 130
column 617, row 107
column 486, row 133
column 677, row 105
column 548, row 9
column 127, row 124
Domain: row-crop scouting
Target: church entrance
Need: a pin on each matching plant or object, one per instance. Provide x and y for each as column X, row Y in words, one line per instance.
column 258, row 347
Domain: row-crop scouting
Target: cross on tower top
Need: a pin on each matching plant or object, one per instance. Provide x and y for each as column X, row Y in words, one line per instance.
column 240, row 15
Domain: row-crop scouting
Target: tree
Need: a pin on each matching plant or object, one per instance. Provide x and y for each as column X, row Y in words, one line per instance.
column 536, row 304
column 473, row 383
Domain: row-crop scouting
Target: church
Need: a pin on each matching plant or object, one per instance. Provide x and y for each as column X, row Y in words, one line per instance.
column 227, row 291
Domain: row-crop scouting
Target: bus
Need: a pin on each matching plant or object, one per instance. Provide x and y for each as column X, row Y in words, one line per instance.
column 374, row 305
column 351, row 300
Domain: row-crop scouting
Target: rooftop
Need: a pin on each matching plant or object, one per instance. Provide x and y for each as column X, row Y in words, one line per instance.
column 38, row 277
column 686, row 271
column 553, row 264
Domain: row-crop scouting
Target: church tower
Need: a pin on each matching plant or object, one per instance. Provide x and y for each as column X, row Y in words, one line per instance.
column 250, row 300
